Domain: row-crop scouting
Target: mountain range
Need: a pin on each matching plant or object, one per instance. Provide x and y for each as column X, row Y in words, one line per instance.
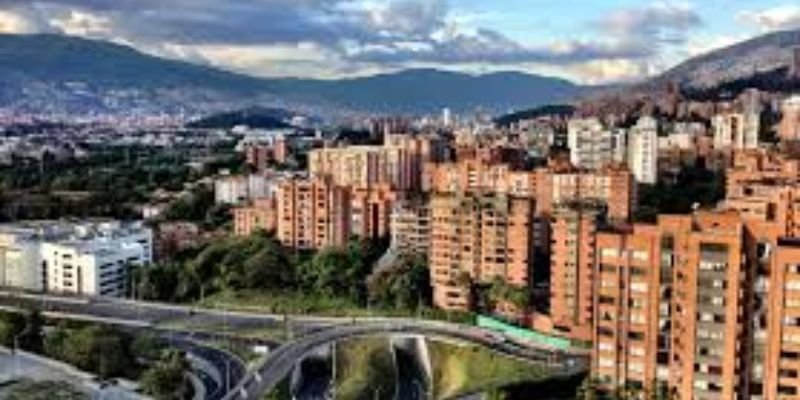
column 763, row 54
column 61, row 74
column 55, row 74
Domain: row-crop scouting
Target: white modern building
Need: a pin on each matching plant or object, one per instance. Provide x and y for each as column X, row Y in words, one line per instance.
column 20, row 259
column 84, row 258
column 593, row 146
column 737, row 131
column 238, row 189
column 643, row 150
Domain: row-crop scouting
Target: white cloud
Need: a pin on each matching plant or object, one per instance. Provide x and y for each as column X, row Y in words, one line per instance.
column 80, row 23
column 328, row 38
column 15, row 23
column 605, row 71
column 777, row 18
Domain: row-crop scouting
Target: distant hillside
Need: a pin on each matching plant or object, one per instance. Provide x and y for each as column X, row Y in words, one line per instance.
column 69, row 75
column 256, row 117
column 555, row 109
column 758, row 56
column 52, row 73
column 426, row 90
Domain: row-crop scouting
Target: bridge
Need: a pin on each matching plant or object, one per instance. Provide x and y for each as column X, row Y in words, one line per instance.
column 309, row 333
column 277, row 367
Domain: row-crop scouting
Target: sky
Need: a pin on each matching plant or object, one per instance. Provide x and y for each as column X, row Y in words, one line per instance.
column 587, row 41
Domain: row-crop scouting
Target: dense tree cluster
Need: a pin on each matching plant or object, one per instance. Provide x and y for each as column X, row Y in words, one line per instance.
column 102, row 350
column 98, row 349
column 109, row 182
column 692, row 186
column 403, row 285
column 260, row 263
column 198, row 206
column 167, row 378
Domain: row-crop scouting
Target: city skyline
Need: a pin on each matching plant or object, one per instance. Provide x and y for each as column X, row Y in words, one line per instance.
column 600, row 42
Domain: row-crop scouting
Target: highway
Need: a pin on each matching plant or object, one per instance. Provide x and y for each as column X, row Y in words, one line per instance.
column 279, row 365
column 411, row 380
column 309, row 332
column 231, row 369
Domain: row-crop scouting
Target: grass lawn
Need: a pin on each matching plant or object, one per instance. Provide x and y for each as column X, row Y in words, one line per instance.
column 281, row 392
column 275, row 333
column 29, row 390
column 302, row 303
column 364, row 370
column 459, row 370
column 283, row 303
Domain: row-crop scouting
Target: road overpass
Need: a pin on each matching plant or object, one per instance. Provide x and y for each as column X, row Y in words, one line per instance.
column 309, row 332
column 272, row 370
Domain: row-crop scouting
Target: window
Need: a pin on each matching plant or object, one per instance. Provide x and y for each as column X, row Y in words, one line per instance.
column 609, row 252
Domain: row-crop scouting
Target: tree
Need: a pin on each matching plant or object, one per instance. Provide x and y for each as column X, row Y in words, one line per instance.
column 328, row 273
column 502, row 291
column 269, row 268
column 98, row 349
column 404, row 285
column 11, row 325
column 147, row 347
column 157, row 281
column 55, row 341
column 32, row 337
column 167, row 379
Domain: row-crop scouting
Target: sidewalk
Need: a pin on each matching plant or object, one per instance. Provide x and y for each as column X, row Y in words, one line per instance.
column 28, row 366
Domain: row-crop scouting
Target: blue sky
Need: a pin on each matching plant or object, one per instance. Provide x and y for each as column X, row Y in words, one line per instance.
column 590, row 41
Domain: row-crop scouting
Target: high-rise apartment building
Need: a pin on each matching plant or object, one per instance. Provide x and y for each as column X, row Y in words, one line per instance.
column 591, row 145
column 260, row 215
column 557, row 183
column 676, row 307
column 708, row 340
column 613, row 186
column 371, row 211
column 572, row 257
column 643, row 150
column 476, row 239
column 239, row 189
column 737, row 131
column 628, row 313
column 476, row 176
column 313, row 213
column 411, row 226
column 759, row 166
column 779, row 356
column 789, row 129
column 398, row 163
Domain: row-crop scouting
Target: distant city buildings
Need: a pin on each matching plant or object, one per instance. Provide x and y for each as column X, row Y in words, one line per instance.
column 240, row 189
column 789, row 129
column 738, row 131
column 398, row 163
column 591, row 145
column 642, row 155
